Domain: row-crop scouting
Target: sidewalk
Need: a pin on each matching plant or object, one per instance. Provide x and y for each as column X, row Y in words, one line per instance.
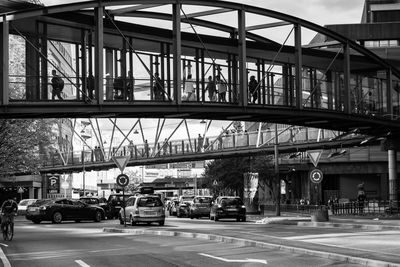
column 350, row 255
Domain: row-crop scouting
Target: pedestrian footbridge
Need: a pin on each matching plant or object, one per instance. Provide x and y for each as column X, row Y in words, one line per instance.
column 190, row 59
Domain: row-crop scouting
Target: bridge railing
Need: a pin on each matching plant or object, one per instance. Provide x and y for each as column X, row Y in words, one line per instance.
column 225, row 142
column 274, row 89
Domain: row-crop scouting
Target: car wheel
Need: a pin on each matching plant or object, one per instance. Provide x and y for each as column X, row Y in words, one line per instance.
column 121, row 222
column 161, row 223
column 36, row 221
column 98, row 216
column 133, row 223
column 243, row 219
column 216, row 218
column 238, row 219
column 57, row 217
column 77, row 221
column 148, row 223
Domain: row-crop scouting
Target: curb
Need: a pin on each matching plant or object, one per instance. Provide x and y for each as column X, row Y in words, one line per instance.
column 372, row 227
column 259, row 244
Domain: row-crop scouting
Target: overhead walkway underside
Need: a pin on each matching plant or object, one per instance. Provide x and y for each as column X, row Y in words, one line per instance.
column 339, row 86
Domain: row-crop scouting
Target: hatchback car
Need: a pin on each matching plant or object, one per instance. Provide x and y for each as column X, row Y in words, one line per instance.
column 23, row 205
column 143, row 209
column 184, row 205
column 58, row 210
column 200, row 207
column 228, row 207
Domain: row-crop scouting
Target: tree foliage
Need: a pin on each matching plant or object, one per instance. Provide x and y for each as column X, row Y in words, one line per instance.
column 21, row 144
column 228, row 173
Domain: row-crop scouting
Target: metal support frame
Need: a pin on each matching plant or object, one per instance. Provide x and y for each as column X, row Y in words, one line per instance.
column 298, row 66
column 243, row 95
column 389, row 86
column 98, row 59
column 177, row 52
column 346, row 78
column 4, row 57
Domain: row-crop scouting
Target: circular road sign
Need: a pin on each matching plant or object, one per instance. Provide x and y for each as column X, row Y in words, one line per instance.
column 316, row 176
column 122, row 180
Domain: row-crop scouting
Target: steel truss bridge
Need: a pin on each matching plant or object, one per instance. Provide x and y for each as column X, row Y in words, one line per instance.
column 109, row 54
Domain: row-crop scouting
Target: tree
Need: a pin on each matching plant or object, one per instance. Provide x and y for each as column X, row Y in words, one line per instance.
column 22, row 144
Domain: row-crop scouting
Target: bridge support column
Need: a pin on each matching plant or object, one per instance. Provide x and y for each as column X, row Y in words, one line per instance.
column 392, row 170
column 243, row 95
column 98, row 55
column 298, row 66
column 177, row 52
column 4, row 44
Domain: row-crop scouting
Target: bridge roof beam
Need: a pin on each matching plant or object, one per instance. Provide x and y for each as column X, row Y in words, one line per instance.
column 268, row 25
column 122, row 11
column 207, row 13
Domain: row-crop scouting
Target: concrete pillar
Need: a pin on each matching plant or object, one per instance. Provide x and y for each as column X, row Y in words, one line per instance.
column 31, row 192
column 392, row 170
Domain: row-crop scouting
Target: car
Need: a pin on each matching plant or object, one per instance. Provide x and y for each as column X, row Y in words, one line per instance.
column 200, row 207
column 64, row 209
column 228, row 207
column 97, row 201
column 23, row 204
column 143, row 209
column 114, row 204
column 184, row 206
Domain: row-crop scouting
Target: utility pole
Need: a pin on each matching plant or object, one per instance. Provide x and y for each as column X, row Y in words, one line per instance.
column 278, row 180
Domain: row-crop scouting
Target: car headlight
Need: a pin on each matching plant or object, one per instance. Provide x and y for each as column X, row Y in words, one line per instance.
column 43, row 208
column 243, row 207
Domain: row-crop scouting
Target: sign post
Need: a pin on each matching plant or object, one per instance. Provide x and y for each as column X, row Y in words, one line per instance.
column 123, row 180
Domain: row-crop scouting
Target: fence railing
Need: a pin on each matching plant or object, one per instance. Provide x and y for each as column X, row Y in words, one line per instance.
column 348, row 208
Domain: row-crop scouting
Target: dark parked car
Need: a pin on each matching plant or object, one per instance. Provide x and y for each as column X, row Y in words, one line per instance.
column 228, row 207
column 200, row 207
column 97, row 201
column 115, row 202
column 58, row 210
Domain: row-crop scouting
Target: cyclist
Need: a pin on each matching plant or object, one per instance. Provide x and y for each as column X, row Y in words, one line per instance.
column 8, row 210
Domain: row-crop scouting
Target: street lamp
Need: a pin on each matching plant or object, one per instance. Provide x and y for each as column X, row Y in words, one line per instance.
column 85, row 135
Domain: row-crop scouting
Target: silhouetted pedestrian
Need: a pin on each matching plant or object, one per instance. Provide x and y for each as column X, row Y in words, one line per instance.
column 58, row 85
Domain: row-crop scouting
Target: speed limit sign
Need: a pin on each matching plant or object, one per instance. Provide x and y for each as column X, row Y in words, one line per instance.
column 316, row 176
column 122, row 180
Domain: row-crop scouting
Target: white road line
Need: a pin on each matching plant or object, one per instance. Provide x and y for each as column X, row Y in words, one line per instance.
column 4, row 245
column 227, row 260
column 82, row 263
column 4, row 259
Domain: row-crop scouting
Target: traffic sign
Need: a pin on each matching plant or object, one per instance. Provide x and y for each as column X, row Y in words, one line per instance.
column 20, row 190
column 314, row 156
column 316, row 176
column 215, row 183
column 122, row 180
column 121, row 162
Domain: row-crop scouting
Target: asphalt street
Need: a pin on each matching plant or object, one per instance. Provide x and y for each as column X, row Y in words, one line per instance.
column 85, row 244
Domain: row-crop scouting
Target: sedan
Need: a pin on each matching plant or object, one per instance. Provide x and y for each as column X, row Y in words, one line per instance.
column 228, row 207
column 58, row 210
column 200, row 207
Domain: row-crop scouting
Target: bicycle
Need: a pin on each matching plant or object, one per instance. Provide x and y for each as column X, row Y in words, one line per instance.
column 8, row 228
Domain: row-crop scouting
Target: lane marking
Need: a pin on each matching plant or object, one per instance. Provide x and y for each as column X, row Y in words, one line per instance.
column 82, row 263
column 227, row 260
column 5, row 245
column 4, row 259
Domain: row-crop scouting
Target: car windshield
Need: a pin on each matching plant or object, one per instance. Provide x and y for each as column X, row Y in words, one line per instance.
column 231, row 201
column 26, row 202
column 202, row 200
column 118, row 198
column 187, row 199
column 43, row 202
column 90, row 200
column 149, row 202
